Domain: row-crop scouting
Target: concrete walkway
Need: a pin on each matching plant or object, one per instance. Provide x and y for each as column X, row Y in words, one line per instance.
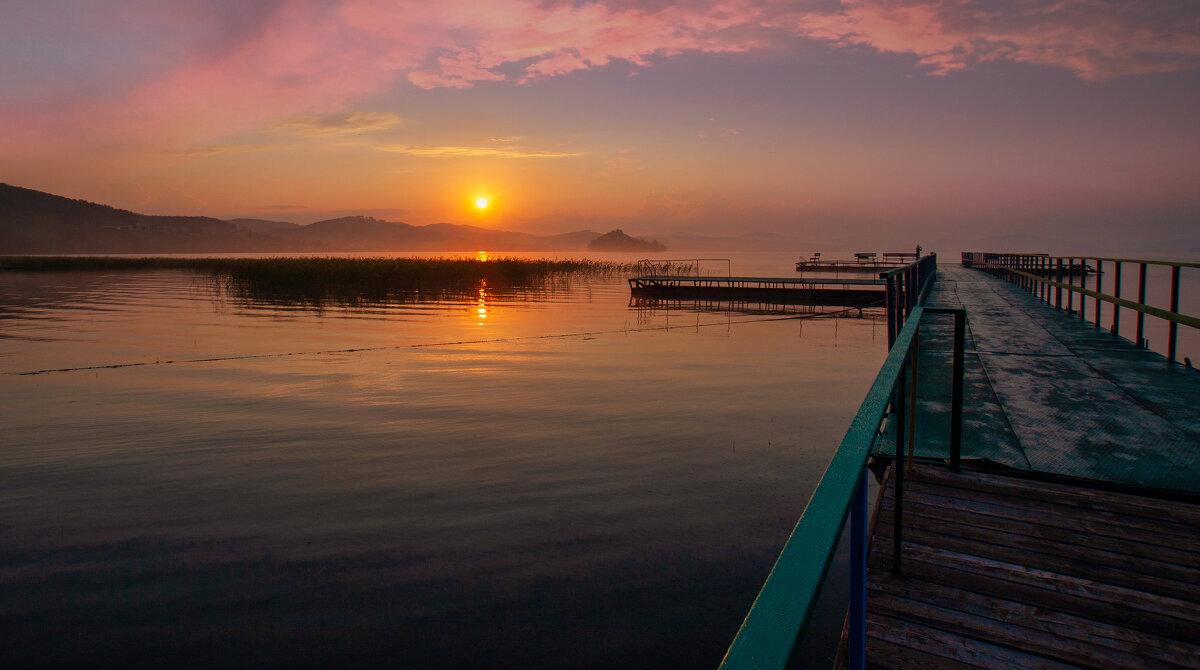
column 1049, row 392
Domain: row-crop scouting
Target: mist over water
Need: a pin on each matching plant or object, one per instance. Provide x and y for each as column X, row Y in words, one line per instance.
column 550, row 479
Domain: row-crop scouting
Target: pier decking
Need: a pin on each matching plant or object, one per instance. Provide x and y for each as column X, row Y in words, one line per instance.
column 1070, row 537
column 1000, row 572
column 1006, row 571
column 1051, row 393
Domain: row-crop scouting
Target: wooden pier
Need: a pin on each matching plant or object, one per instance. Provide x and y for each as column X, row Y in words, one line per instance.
column 1080, row 544
column 848, row 292
column 1001, row 572
column 1069, row 534
column 1047, row 391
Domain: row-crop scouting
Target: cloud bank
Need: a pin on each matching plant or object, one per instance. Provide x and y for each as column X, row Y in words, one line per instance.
column 214, row 68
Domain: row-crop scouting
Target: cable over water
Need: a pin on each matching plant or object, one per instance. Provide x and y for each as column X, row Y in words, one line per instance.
column 424, row 345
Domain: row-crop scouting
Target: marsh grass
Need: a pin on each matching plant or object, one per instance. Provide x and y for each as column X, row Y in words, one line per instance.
column 322, row 280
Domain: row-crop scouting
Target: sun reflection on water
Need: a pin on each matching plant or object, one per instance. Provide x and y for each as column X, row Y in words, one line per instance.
column 481, row 303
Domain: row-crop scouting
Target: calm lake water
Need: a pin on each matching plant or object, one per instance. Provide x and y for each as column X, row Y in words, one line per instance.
column 547, row 479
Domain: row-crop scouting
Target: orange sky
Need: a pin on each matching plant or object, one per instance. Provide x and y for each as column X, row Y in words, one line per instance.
column 717, row 118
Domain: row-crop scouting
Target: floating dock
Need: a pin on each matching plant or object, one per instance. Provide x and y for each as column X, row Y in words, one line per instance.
column 863, row 263
column 846, row 292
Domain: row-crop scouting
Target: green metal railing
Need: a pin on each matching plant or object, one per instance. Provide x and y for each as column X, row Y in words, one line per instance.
column 785, row 605
column 1047, row 277
column 907, row 287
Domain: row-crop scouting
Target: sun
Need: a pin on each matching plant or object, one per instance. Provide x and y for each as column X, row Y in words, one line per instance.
column 481, row 203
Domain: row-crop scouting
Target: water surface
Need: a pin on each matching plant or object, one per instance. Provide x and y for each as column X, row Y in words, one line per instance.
column 547, row 479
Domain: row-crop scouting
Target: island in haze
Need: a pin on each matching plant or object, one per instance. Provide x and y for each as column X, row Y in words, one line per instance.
column 34, row 222
column 617, row 240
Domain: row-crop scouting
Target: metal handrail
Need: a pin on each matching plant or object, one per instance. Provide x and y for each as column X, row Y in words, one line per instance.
column 901, row 296
column 785, row 604
column 649, row 263
column 1180, row 264
column 1164, row 314
column 1033, row 273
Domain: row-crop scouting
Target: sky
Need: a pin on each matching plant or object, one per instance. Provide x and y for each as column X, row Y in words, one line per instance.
column 902, row 120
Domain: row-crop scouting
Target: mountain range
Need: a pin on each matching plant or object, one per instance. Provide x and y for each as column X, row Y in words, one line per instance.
column 34, row 222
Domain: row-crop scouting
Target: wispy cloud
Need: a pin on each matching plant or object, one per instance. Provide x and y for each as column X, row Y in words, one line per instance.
column 1095, row 39
column 218, row 150
column 308, row 60
column 718, row 133
column 328, row 125
column 471, row 152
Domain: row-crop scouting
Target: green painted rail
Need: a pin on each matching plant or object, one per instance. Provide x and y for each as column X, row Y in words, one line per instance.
column 785, row 604
column 1165, row 314
column 1043, row 275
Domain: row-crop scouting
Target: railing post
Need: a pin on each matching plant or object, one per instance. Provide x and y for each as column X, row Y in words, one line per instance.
column 1083, row 284
column 1099, row 287
column 857, row 642
column 898, row 472
column 956, row 402
column 891, row 310
column 1141, row 316
column 1059, row 277
column 1045, row 274
column 1116, row 309
column 914, row 373
column 1071, row 281
column 1172, row 327
column 908, row 293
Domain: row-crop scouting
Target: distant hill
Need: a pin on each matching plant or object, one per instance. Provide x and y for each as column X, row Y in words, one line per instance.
column 617, row 240
column 262, row 225
column 36, row 222
column 33, row 222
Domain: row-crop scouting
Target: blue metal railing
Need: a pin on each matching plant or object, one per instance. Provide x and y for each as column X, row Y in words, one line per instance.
column 786, row 603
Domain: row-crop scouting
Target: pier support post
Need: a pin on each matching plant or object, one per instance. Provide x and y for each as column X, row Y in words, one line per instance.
column 857, row 642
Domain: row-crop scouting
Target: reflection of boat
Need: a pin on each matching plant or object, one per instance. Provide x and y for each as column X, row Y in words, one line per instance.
column 863, row 262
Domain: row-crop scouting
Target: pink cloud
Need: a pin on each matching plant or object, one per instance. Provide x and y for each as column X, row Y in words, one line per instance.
column 294, row 57
column 1095, row 39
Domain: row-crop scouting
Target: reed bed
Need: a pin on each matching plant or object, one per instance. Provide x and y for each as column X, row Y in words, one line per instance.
column 322, row 280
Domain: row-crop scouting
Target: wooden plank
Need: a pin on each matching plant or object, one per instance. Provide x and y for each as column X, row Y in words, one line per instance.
column 1157, row 510
column 966, row 651
column 1080, row 566
column 1088, row 562
column 1160, row 615
column 1136, row 511
column 998, row 606
column 1067, row 535
column 1105, row 524
column 886, row 655
column 1006, row 634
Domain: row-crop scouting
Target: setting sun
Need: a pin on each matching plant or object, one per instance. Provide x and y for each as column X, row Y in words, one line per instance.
column 481, row 203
